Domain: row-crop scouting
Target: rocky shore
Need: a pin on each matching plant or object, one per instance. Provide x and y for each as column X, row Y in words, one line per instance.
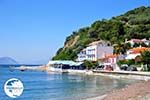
column 35, row 68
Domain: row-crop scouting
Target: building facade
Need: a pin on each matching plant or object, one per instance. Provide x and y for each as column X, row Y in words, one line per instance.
column 110, row 60
column 138, row 41
column 82, row 55
column 133, row 53
column 95, row 51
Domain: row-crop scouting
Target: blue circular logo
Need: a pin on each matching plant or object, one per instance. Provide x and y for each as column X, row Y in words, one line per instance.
column 13, row 87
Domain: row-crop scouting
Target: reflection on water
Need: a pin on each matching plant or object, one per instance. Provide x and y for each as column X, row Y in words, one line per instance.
column 56, row 86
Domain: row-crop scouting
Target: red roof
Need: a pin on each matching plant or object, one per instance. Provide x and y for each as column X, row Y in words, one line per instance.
column 139, row 49
column 110, row 56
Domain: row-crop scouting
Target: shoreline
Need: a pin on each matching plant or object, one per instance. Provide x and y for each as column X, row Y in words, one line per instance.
column 125, row 76
column 135, row 91
column 25, row 68
column 97, row 97
column 145, row 76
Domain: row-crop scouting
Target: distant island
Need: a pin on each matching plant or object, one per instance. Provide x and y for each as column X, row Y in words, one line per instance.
column 7, row 61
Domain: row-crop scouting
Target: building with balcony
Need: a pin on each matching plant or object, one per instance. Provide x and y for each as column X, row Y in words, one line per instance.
column 95, row 51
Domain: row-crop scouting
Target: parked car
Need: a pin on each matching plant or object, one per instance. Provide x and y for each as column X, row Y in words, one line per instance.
column 132, row 68
column 101, row 67
column 128, row 68
column 124, row 67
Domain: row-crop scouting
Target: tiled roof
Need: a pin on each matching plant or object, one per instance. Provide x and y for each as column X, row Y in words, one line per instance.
column 139, row 49
column 110, row 56
column 139, row 40
column 136, row 40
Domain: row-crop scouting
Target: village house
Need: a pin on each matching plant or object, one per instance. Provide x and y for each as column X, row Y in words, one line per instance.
column 82, row 55
column 145, row 41
column 111, row 60
column 133, row 53
column 138, row 41
column 95, row 51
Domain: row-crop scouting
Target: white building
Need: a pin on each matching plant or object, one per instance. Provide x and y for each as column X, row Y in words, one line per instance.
column 133, row 41
column 82, row 55
column 95, row 51
column 138, row 41
column 133, row 53
column 145, row 41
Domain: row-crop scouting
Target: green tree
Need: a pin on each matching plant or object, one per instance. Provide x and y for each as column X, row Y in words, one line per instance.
column 128, row 62
column 146, row 59
column 144, row 45
column 121, row 48
column 136, row 45
column 90, row 64
column 133, row 24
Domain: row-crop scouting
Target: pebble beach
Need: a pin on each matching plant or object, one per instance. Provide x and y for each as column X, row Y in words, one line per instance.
column 136, row 91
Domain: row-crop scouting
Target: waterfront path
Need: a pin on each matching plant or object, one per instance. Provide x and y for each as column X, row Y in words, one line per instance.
column 124, row 72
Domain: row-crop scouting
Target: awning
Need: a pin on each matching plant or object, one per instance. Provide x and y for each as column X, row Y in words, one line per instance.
column 65, row 62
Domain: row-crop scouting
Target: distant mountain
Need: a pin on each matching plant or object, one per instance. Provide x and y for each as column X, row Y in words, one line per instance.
column 7, row 61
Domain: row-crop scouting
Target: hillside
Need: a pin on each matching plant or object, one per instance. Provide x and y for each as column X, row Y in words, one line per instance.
column 133, row 24
column 7, row 61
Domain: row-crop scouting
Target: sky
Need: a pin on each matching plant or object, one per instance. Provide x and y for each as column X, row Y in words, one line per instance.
column 31, row 31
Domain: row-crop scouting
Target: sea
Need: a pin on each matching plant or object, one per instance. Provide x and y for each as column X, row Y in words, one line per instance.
column 40, row 85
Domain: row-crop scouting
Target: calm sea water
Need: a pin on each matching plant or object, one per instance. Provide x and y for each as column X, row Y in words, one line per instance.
column 54, row 86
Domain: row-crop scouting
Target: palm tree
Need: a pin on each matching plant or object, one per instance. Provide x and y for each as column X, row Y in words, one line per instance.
column 121, row 48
